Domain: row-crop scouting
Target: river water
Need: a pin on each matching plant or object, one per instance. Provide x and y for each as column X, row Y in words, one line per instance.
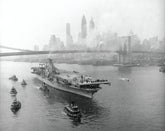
column 137, row 105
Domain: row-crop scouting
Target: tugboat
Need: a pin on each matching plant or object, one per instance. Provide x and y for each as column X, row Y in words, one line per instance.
column 13, row 91
column 73, row 111
column 23, row 83
column 15, row 106
column 14, row 78
column 162, row 69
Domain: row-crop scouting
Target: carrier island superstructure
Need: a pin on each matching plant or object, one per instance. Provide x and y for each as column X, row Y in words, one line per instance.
column 69, row 81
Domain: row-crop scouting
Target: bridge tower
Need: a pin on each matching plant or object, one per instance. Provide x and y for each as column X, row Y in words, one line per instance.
column 125, row 50
column 129, row 49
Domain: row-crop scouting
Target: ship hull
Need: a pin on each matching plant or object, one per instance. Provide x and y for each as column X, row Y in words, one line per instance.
column 61, row 87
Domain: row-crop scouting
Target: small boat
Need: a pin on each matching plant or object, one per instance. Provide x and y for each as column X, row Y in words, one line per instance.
column 124, row 79
column 162, row 69
column 13, row 91
column 23, row 83
column 15, row 106
column 44, row 87
column 14, row 78
column 73, row 111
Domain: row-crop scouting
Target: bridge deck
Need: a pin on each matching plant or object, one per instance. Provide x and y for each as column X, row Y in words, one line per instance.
column 69, row 51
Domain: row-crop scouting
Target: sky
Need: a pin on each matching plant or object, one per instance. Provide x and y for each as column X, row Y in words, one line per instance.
column 24, row 23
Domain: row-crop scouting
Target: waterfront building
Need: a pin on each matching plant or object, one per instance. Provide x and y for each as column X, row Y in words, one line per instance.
column 162, row 45
column 36, row 48
column 146, row 45
column 154, row 42
column 54, row 44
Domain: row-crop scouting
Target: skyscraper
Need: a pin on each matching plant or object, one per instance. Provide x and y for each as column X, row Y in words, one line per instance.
column 67, row 29
column 91, row 25
column 83, row 28
column 69, row 40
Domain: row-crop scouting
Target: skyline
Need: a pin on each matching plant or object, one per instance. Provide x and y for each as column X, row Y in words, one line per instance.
column 32, row 22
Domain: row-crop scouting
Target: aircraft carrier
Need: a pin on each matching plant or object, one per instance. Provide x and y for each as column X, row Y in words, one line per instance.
column 69, row 81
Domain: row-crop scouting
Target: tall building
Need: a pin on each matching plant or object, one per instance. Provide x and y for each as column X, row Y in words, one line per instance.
column 52, row 40
column 83, row 28
column 69, row 39
column 67, row 29
column 36, row 48
column 54, row 44
column 91, row 25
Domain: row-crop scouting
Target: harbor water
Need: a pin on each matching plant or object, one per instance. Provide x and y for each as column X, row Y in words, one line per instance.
column 134, row 105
